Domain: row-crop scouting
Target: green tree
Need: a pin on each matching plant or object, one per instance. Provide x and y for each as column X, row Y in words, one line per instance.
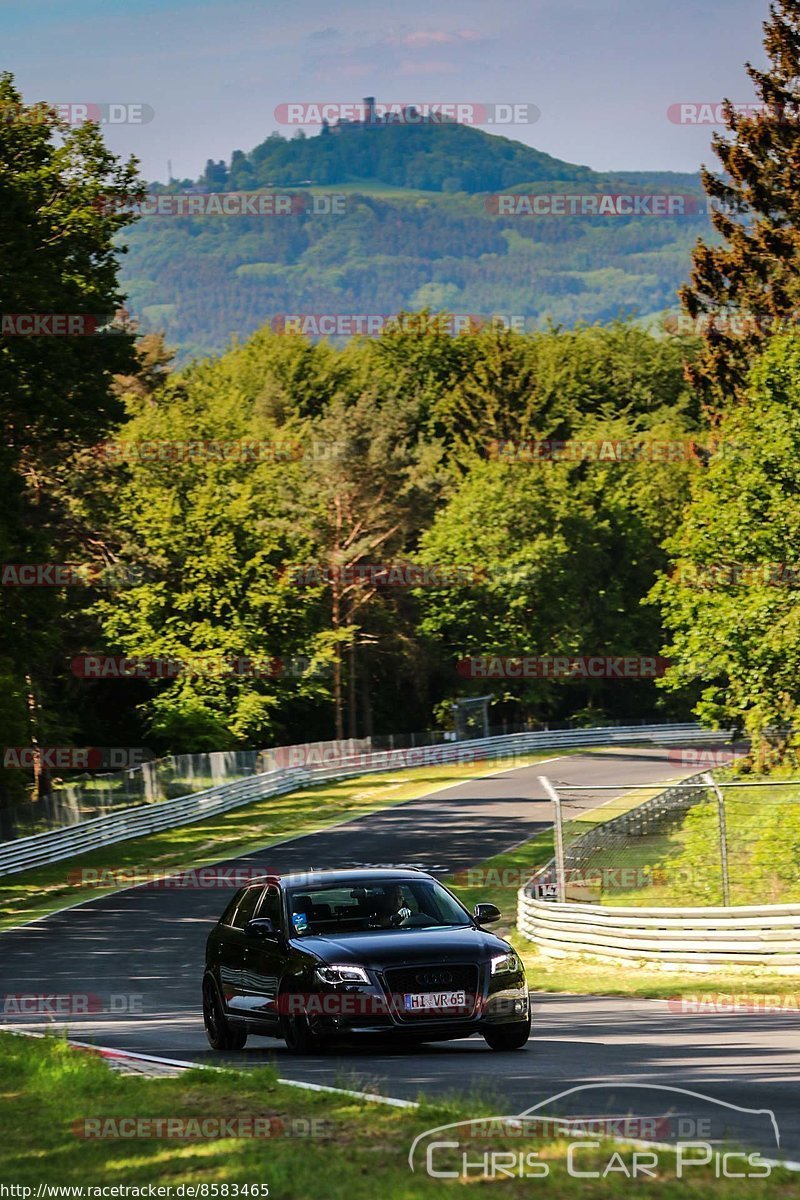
column 57, row 256
column 370, row 491
column 731, row 602
column 544, row 385
column 565, row 554
column 203, row 480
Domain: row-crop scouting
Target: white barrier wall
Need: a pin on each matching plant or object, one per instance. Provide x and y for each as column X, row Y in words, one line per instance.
column 85, row 836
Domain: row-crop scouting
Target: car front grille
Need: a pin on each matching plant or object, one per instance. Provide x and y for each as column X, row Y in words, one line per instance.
column 433, row 977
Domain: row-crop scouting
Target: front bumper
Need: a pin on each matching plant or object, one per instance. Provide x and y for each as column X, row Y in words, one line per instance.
column 378, row 1008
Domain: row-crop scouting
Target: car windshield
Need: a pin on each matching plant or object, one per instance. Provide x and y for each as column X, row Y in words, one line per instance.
column 362, row 906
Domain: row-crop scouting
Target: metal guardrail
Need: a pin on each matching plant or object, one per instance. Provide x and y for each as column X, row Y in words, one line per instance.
column 693, row 939
column 58, row 844
column 85, row 836
column 686, row 938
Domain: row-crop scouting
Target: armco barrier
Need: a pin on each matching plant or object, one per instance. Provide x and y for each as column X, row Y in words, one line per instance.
column 690, row 939
column 85, row 836
column 58, row 844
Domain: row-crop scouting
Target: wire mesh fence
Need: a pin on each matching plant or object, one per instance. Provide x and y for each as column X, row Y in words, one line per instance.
column 707, row 841
column 88, row 796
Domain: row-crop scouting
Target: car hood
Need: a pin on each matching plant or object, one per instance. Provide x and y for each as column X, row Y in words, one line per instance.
column 405, row 947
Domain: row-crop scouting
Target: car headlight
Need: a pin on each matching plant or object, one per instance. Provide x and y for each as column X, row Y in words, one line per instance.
column 505, row 964
column 342, row 973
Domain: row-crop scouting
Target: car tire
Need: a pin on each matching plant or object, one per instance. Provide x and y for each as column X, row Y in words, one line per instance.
column 299, row 1035
column 508, row 1037
column 219, row 1031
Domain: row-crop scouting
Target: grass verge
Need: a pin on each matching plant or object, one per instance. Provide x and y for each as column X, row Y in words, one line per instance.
column 320, row 1146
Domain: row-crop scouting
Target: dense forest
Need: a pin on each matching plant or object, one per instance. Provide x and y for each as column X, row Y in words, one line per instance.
column 301, row 539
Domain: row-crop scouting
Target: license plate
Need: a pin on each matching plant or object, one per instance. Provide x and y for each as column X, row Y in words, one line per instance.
column 424, row 1001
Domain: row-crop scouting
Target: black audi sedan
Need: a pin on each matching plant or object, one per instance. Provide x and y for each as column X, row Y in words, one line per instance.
column 328, row 955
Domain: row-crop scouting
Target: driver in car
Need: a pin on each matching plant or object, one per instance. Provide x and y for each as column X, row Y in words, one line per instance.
column 391, row 909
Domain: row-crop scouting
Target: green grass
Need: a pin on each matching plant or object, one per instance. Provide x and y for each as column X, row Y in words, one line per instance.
column 255, row 826
column 586, row 977
column 359, row 1151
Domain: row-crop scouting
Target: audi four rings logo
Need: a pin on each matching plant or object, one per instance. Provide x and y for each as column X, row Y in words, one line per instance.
column 434, row 978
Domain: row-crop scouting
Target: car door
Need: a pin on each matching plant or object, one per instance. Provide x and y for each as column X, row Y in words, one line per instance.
column 264, row 958
column 233, row 963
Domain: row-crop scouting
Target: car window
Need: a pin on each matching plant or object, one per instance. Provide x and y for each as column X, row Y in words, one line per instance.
column 380, row 904
column 270, row 906
column 246, row 907
column 227, row 916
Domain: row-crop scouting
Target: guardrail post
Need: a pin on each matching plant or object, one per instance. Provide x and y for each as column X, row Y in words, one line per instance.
column 561, row 891
column 723, row 836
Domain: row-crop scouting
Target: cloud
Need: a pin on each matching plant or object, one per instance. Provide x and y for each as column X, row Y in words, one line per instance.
column 325, row 35
column 422, row 38
column 401, row 54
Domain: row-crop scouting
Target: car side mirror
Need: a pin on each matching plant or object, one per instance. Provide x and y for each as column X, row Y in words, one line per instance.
column 484, row 914
column 261, row 927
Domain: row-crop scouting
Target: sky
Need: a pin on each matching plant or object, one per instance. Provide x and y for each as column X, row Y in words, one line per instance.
column 210, row 76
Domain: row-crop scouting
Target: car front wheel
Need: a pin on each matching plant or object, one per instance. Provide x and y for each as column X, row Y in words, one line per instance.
column 298, row 1031
column 508, row 1037
column 220, row 1033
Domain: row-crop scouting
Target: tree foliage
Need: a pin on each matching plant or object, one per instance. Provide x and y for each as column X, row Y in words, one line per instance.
column 731, row 601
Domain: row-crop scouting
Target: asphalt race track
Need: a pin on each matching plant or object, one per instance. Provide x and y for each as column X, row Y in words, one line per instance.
column 145, row 947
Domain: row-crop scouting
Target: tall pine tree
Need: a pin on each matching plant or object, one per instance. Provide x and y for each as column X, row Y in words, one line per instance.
column 749, row 286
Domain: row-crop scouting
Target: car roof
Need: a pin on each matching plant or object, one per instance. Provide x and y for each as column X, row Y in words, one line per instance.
column 358, row 875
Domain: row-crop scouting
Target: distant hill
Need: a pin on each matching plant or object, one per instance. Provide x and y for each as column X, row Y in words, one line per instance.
column 418, row 230
column 439, row 158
